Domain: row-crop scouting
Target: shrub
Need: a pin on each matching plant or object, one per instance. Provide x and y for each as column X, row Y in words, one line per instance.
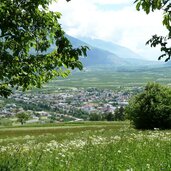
column 109, row 116
column 95, row 117
column 22, row 117
column 151, row 108
column 119, row 114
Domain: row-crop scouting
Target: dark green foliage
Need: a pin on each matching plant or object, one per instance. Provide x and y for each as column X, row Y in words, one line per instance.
column 27, row 30
column 151, row 108
column 164, row 5
column 95, row 117
column 119, row 114
column 22, row 117
column 109, row 117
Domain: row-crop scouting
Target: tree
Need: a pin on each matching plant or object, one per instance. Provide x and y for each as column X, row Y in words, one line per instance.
column 28, row 30
column 22, row 117
column 151, row 108
column 95, row 117
column 163, row 41
column 109, row 116
column 119, row 114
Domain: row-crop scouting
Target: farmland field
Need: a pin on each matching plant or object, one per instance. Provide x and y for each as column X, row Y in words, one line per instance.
column 110, row 79
column 86, row 146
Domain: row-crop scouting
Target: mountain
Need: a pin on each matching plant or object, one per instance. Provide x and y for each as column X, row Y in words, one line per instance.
column 97, row 56
column 106, row 54
column 120, row 51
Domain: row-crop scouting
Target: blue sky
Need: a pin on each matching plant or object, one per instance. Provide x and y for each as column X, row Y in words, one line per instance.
column 111, row 20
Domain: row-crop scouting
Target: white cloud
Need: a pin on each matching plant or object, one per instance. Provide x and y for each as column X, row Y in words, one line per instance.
column 111, row 1
column 125, row 26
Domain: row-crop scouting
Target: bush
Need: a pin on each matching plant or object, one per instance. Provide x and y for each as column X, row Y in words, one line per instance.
column 151, row 108
column 119, row 114
column 22, row 117
column 95, row 117
column 109, row 116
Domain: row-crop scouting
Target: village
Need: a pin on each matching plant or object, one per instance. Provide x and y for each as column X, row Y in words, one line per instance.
column 74, row 104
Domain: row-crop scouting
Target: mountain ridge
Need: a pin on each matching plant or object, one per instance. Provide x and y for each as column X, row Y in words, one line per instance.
column 105, row 56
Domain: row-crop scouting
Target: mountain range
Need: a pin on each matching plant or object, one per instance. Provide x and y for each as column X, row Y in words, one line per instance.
column 107, row 55
column 103, row 54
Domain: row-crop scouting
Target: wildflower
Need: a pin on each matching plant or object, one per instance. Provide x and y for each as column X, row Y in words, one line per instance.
column 156, row 129
column 26, row 148
column 148, row 166
column 29, row 163
column 3, row 149
column 131, row 169
column 119, row 151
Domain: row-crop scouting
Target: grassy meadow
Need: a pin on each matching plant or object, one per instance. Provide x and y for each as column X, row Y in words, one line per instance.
column 86, row 146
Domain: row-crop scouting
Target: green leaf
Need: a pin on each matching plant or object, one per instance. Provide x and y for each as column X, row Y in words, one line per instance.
column 138, row 6
column 27, row 32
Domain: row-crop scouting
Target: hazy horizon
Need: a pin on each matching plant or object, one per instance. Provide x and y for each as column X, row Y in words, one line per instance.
column 116, row 21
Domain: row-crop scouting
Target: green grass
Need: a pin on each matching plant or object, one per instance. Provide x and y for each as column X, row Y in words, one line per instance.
column 39, row 129
column 88, row 146
column 109, row 79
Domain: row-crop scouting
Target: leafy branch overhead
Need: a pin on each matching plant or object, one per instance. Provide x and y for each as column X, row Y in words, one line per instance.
column 28, row 29
column 163, row 41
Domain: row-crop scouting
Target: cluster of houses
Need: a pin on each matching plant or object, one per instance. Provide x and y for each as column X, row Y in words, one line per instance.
column 74, row 103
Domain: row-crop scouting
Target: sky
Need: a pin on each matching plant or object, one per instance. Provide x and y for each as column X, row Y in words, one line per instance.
column 116, row 21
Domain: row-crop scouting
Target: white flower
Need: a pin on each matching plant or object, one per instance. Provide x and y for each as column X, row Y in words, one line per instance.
column 119, row 151
column 131, row 169
column 148, row 166
column 156, row 129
